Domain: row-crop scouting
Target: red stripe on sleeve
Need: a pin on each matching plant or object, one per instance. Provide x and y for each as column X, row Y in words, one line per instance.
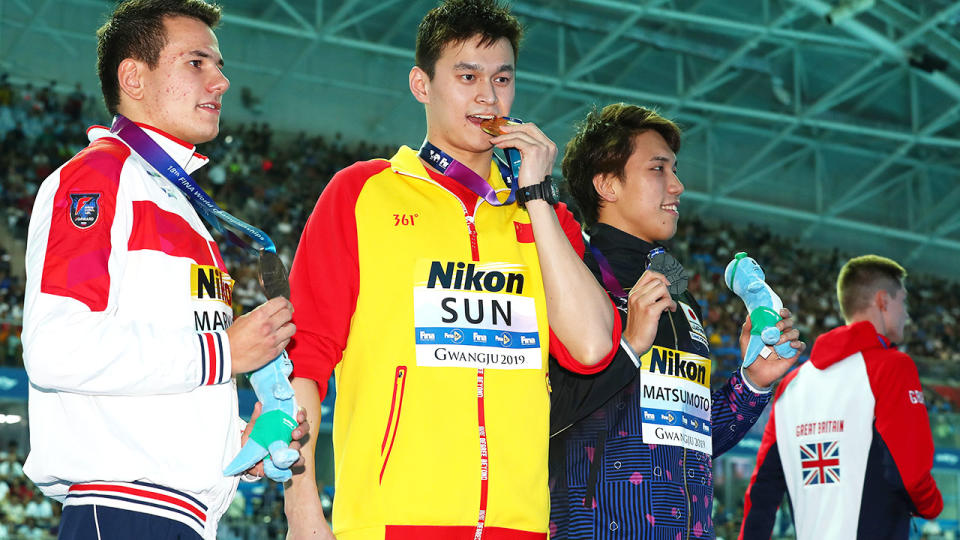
column 156, row 229
column 769, row 438
column 75, row 264
column 325, row 276
column 903, row 424
column 211, row 359
column 571, row 227
column 557, row 349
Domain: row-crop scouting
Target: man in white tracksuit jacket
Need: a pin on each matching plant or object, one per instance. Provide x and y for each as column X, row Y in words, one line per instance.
column 129, row 337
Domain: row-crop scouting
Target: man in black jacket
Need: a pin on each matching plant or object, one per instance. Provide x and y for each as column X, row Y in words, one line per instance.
column 632, row 447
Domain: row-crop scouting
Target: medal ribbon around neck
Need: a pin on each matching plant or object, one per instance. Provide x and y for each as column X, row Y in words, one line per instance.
column 152, row 153
column 452, row 168
column 673, row 271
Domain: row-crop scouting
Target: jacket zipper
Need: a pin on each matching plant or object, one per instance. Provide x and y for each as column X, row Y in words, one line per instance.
column 481, row 421
column 683, row 464
column 481, row 416
column 396, row 402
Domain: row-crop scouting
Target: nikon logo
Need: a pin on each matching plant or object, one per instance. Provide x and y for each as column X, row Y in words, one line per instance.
column 210, row 283
column 668, row 362
column 466, row 277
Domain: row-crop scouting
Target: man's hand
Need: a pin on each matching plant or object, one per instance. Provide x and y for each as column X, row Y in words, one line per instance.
column 536, row 149
column 301, row 433
column 647, row 301
column 261, row 335
column 765, row 371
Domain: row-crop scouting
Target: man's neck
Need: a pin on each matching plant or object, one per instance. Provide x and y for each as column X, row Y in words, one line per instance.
column 871, row 316
column 622, row 225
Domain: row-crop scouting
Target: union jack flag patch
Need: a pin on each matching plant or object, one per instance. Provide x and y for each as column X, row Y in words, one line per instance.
column 820, row 463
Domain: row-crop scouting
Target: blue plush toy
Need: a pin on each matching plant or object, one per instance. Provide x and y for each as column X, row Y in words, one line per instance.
column 274, row 427
column 745, row 277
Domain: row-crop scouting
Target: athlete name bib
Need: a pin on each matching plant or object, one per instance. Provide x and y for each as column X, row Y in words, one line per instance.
column 474, row 315
column 675, row 399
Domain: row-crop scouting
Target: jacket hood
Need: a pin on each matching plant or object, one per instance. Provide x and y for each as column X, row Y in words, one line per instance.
column 845, row 341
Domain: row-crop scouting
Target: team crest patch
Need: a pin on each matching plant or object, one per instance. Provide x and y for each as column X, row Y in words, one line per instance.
column 84, row 209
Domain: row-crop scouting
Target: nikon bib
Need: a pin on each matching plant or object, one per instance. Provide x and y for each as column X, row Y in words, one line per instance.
column 474, row 315
column 675, row 399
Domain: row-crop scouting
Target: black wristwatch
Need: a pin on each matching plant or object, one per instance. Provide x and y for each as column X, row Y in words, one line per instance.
column 544, row 190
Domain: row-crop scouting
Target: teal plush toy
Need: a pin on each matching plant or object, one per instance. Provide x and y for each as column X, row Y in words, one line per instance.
column 273, row 430
column 745, row 277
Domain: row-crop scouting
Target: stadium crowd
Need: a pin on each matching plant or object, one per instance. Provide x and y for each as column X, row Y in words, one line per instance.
column 273, row 183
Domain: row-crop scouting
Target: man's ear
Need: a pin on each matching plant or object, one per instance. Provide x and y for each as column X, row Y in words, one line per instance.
column 880, row 299
column 130, row 76
column 420, row 85
column 607, row 186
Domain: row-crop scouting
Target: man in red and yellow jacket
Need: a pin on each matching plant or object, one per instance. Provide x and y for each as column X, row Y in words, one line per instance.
column 429, row 294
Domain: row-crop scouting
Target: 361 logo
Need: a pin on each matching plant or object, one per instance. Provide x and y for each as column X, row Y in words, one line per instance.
column 404, row 219
column 916, row 396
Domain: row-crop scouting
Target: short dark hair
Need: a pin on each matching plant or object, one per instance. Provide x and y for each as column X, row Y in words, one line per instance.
column 136, row 30
column 862, row 277
column 455, row 21
column 603, row 143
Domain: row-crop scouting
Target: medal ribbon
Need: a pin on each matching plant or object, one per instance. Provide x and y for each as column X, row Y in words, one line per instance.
column 452, row 168
column 152, row 153
column 610, row 282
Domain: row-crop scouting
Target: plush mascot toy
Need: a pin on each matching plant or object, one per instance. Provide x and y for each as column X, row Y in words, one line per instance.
column 273, row 430
column 745, row 277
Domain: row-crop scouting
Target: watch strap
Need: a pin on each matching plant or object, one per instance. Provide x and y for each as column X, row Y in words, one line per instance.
column 542, row 190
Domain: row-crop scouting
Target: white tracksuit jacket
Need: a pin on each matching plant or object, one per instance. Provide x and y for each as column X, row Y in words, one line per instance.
column 131, row 401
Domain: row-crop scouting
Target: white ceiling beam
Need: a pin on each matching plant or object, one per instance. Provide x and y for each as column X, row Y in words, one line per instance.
column 890, row 48
column 733, row 25
column 747, row 46
column 294, row 14
column 833, row 222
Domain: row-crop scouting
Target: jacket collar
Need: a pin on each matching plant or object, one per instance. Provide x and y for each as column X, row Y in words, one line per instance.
column 184, row 153
column 609, row 238
column 845, row 341
column 626, row 253
column 407, row 162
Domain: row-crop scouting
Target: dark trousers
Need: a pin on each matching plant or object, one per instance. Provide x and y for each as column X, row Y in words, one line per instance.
column 93, row 522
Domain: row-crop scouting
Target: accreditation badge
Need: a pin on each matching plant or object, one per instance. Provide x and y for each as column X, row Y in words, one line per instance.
column 675, row 399
column 475, row 315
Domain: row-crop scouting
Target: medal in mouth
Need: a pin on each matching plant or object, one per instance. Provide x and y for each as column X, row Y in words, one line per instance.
column 492, row 125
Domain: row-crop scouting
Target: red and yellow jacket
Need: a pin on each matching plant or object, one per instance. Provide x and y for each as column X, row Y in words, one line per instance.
column 434, row 302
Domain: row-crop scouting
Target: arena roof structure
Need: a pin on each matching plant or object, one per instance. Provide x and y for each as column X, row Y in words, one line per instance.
column 835, row 122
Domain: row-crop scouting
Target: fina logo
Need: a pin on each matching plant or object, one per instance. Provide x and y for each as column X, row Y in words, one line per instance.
column 456, row 336
column 524, row 340
column 479, row 338
column 648, row 416
column 504, row 339
column 440, row 160
column 427, row 336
